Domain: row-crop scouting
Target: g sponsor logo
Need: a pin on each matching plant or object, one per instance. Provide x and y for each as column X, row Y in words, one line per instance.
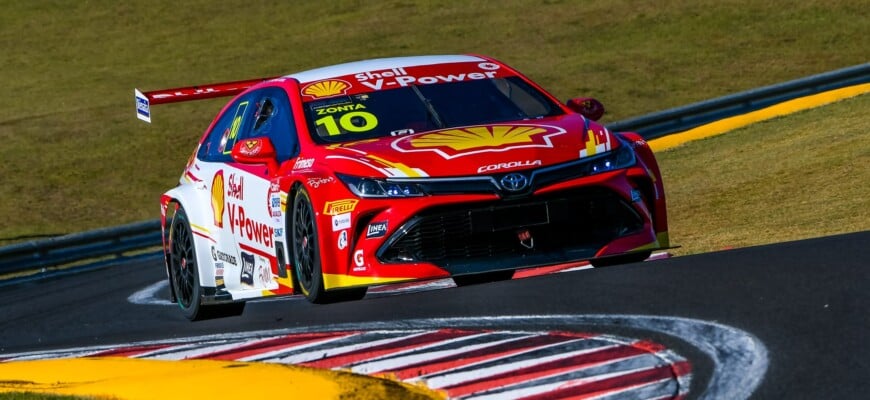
column 359, row 260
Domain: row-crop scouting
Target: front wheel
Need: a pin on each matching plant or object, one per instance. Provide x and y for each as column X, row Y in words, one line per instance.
column 184, row 275
column 306, row 256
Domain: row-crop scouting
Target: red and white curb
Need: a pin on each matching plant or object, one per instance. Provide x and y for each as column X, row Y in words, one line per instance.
column 463, row 363
column 480, row 359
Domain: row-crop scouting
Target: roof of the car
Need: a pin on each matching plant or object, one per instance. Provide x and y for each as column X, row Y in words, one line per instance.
column 378, row 64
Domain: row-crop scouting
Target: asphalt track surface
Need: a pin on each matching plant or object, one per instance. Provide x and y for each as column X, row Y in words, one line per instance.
column 805, row 302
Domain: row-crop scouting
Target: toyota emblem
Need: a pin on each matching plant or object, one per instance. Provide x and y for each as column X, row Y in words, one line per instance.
column 514, row 182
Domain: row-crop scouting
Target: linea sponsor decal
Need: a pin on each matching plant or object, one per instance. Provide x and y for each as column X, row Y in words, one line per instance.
column 247, row 274
column 339, row 206
column 509, row 165
column 377, row 229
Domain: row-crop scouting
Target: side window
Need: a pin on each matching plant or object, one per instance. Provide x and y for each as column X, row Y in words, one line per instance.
column 273, row 119
column 226, row 132
column 265, row 112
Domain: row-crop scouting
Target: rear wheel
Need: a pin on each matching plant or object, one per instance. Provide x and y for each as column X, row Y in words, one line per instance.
column 184, row 275
column 486, row 277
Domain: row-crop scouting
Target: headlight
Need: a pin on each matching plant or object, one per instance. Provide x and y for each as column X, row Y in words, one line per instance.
column 369, row 187
column 621, row 158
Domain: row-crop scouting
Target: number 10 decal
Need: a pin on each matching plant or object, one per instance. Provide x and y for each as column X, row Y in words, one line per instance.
column 349, row 122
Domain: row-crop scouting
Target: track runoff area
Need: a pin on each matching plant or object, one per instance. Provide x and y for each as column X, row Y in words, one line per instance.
column 130, row 373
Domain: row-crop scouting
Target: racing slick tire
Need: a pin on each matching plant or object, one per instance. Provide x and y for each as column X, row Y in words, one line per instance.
column 184, row 275
column 486, row 277
column 306, row 256
column 620, row 259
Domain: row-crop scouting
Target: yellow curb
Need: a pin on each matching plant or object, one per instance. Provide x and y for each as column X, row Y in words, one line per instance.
column 787, row 107
column 126, row 378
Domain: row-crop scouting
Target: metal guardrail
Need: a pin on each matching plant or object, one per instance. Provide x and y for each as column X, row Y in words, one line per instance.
column 678, row 119
column 115, row 242
column 106, row 242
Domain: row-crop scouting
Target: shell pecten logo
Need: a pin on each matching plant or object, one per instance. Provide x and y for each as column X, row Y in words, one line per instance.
column 457, row 142
column 327, row 88
column 217, row 198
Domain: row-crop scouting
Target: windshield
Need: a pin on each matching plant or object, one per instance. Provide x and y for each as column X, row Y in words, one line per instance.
column 418, row 108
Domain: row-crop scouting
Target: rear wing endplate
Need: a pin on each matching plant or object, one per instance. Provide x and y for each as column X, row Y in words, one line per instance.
column 144, row 100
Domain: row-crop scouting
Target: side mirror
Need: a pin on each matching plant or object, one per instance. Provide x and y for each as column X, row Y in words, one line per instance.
column 587, row 107
column 258, row 150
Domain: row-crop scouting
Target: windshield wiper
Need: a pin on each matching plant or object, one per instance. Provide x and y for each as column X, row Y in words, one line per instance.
column 429, row 108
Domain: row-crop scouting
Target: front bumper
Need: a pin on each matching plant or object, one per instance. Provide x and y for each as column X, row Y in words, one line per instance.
column 444, row 235
column 469, row 238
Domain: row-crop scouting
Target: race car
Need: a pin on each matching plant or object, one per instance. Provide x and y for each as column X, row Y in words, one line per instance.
column 329, row 181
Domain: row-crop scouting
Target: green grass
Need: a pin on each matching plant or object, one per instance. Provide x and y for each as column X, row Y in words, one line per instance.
column 75, row 158
column 800, row 176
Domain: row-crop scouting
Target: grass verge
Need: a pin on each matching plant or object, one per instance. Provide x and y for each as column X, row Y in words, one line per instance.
column 789, row 178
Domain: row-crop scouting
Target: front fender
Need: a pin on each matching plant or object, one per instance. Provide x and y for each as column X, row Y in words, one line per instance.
column 202, row 222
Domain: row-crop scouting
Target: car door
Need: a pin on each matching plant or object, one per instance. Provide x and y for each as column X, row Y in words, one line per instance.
column 253, row 203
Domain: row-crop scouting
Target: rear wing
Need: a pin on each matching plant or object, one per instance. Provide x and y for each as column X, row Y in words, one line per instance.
column 144, row 100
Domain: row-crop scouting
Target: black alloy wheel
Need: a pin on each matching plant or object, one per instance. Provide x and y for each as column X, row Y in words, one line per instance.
column 184, row 275
column 306, row 256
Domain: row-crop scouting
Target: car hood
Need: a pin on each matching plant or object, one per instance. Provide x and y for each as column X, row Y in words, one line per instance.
column 475, row 150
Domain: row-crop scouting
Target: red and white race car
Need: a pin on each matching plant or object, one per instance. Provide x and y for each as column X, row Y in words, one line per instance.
column 328, row 181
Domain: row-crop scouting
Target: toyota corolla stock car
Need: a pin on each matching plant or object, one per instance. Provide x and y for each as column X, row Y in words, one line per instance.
column 328, row 181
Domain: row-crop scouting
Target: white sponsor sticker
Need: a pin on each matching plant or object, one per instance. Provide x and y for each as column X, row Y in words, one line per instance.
column 342, row 240
column 303, row 163
column 359, row 261
column 340, row 221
